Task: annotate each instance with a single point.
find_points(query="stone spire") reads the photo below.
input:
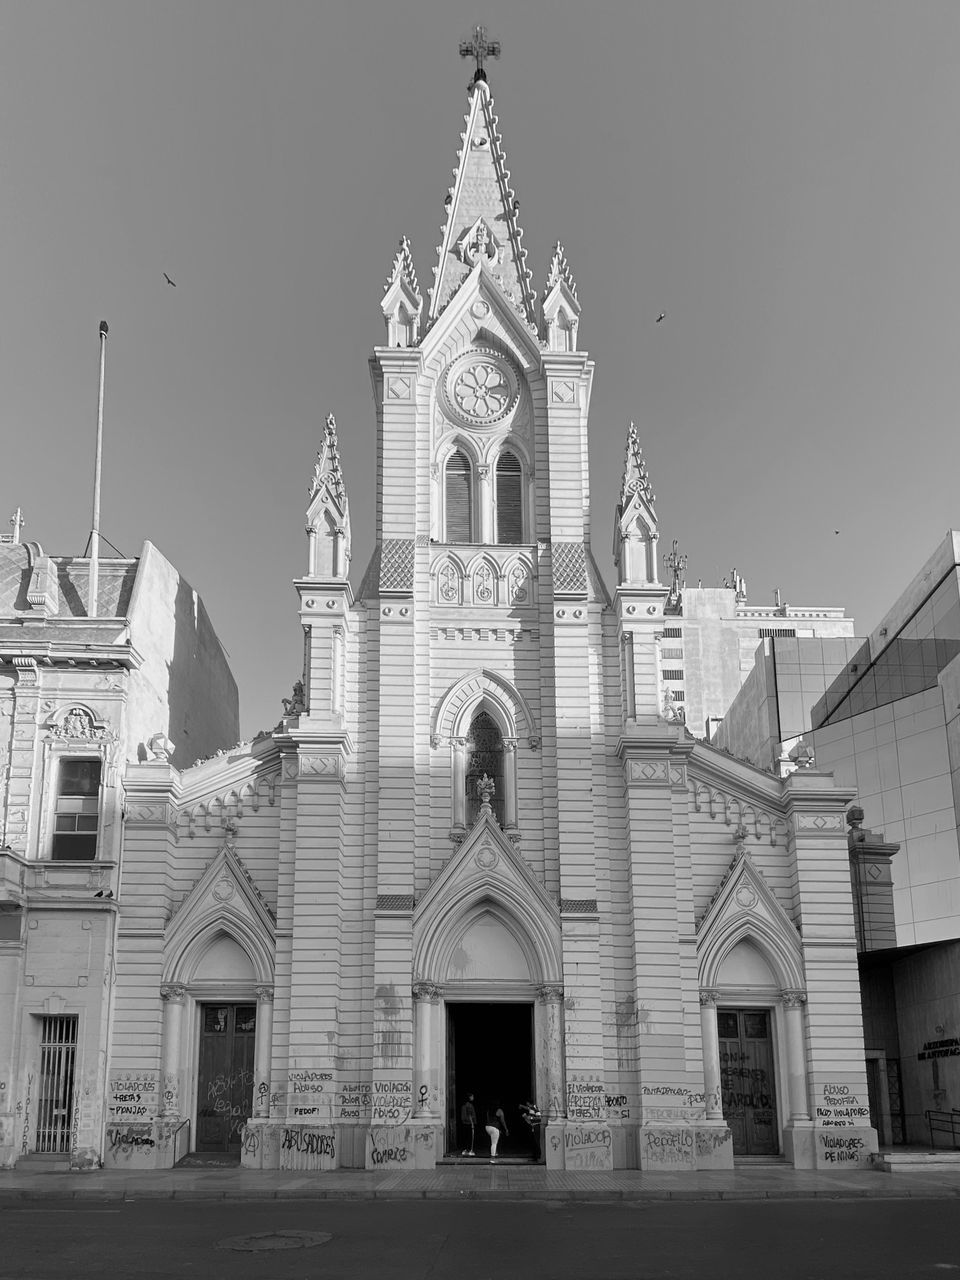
(560, 306)
(402, 302)
(328, 516)
(637, 529)
(482, 227)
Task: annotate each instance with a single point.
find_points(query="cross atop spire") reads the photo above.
(479, 47)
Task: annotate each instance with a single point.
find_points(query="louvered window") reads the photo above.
(509, 499)
(459, 498)
(77, 814)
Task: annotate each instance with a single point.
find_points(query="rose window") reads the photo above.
(480, 388)
(481, 391)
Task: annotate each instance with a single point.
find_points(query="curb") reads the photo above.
(476, 1195)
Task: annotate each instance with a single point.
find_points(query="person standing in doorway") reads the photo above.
(496, 1124)
(533, 1119)
(468, 1120)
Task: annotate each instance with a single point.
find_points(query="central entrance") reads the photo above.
(490, 1054)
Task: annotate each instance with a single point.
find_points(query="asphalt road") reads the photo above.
(792, 1240)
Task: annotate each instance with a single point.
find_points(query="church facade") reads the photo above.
(481, 859)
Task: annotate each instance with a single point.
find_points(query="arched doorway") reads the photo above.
(487, 944)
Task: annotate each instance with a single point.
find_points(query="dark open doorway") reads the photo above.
(490, 1054)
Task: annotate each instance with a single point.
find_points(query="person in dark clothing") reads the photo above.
(533, 1119)
(468, 1121)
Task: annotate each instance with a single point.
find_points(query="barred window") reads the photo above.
(767, 633)
(673, 673)
(671, 653)
(672, 633)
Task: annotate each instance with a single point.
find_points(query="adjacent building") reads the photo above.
(882, 713)
(82, 692)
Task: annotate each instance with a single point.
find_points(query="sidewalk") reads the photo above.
(481, 1183)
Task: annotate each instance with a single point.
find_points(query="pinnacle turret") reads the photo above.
(560, 306)
(402, 302)
(328, 515)
(559, 270)
(636, 528)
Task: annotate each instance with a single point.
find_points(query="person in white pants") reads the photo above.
(495, 1125)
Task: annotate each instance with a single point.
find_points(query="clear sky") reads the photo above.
(779, 176)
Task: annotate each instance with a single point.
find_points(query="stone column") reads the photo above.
(551, 997)
(426, 1006)
(263, 1051)
(459, 783)
(172, 995)
(711, 1053)
(487, 534)
(793, 1002)
(509, 782)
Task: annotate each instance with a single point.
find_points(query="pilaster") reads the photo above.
(836, 1069)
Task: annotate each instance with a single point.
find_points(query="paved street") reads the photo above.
(789, 1240)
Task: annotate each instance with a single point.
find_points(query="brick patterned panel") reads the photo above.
(569, 566)
(396, 564)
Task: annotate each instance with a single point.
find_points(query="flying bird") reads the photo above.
(169, 281)
(661, 316)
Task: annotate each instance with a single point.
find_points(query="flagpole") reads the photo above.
(94, 585)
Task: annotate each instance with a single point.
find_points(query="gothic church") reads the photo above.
(482, 857)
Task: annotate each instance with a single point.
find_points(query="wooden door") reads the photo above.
(225, 1078)
(747, 1080)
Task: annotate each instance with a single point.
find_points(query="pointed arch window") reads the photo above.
(458, 498)
(509, 498)
(485, 756)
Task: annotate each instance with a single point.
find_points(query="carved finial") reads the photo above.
(479, 47)
(295, 705)
(671, 711)
(486, 789)
(17, 521)
(327, 467)
(403, 269)
(559, 270)
(676, 563)
(636, 478)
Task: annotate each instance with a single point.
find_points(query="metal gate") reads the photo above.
(58, 1054)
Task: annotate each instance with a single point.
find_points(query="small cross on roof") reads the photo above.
(479, 47)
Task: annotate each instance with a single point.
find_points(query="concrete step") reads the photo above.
(916, 1161)
(44, 1162)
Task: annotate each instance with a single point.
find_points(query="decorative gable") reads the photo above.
(224, 900)
(486, 877)
(745, 908)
